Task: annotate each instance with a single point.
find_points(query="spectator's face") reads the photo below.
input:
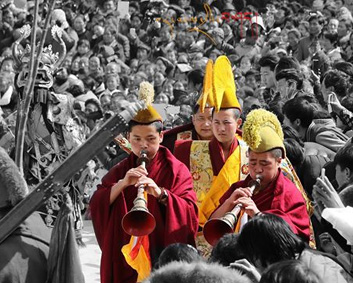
(184, 3)
(112, 83)
(93, 64)
(203, 124)
(7, 66)
(112, 69)
(79, 24)
(342, 175)
(141, 54)
(225, 125)
(245, 65)
(267, 77)
(292, 39)
(109, 5)
(263, 164)
(84, 63)
(339, 4)
(315, 27)
(90, 108)
(108, 37)
(349, 5)
(67, 63)
(342, 29)
(105, 102)
(171, 56)
(185, 111)
(149, 71)
(3, 84)
(179, 86)
(116, 103)
(158, 79)
(146, 138)
(303, 31)
(251, 82)
(326, 44)
(285, 88)
(82, 49)
(165, 35)
(332, 26)
(8, 18)
(135, 22)
(279, 16)
(160, 66)
(161, 98)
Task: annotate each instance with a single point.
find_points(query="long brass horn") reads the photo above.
(139, 221)
(216, 228)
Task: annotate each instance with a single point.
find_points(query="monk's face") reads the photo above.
(145, 137)
(224, 125)
(203, 124)
(264, 164)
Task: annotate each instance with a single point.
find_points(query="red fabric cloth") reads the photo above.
(281, 198)
(177, 222)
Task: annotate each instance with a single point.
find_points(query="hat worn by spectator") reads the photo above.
(218, 32)
(166, 62)
(150, 114)
(263, 132)
(281, 51)
(258, 21)
(228, 7)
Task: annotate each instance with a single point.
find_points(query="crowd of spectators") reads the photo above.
(294, 58)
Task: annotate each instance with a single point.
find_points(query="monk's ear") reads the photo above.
(128, 136)
(161, 135)
(239, 122)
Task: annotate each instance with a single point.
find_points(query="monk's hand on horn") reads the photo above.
(132, 176)
(249, 206)
(150, 186)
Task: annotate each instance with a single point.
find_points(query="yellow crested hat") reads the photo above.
(262, 132)
(148, 115)
(206, 97)
(224, 88)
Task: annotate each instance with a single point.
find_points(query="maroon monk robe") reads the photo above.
(182, 152)
(282, 198)
(177, 222)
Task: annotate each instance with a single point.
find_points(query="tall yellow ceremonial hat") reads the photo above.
(263, 132)
(150, 114)
(224, 89)
(206, 97)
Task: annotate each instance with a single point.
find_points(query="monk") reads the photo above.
(215, 164)
(171, 200)
(276, 193)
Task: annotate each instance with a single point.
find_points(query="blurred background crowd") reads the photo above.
(294, 58)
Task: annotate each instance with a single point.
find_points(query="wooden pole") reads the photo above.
(23, 110)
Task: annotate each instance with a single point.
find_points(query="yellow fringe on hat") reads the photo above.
(149, 114)
(256, 120)
(224, 88)
(206, 98)
(146, 92)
